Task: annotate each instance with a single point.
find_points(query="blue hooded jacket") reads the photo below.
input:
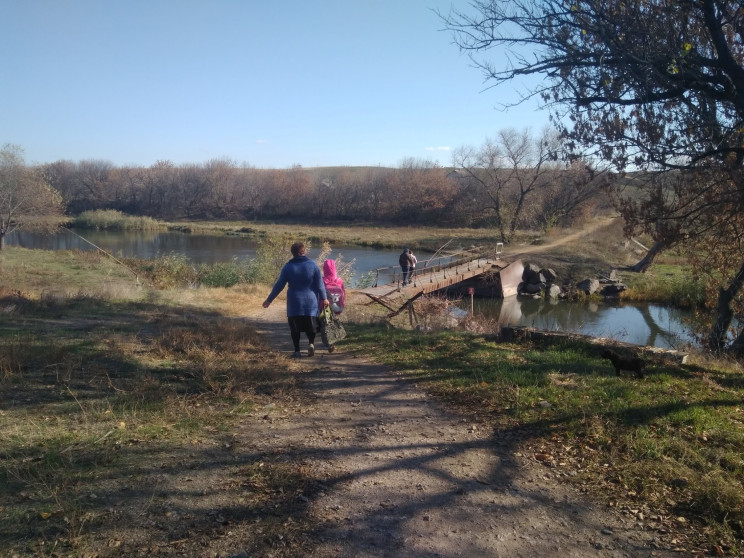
(305, 288)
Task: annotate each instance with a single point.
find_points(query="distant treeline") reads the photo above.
(411, 194)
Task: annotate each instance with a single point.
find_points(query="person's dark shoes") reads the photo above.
(331, 348)
(296, 354)
(311, 350)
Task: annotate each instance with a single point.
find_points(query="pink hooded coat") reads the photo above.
(333, 283)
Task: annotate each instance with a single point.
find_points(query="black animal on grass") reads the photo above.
(632, 364)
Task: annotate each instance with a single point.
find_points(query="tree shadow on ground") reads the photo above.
(147, 431)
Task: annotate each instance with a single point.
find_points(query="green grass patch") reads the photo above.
(61, 275)
(666, 283)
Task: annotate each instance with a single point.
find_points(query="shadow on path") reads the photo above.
(400, 475)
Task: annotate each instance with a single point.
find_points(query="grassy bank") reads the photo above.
(111, 220)
(666, 283)
(375, 236)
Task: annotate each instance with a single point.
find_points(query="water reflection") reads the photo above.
(639, 324)
(140, 244)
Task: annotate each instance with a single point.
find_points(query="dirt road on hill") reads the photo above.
(402, 476)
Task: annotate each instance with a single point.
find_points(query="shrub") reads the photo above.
(173, 270)
(109, 219)
(271, 254)
(225, 274)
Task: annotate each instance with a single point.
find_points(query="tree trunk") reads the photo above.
(515, 217)
(717, 340)
(2, 240)
(737, 347)
(643, 265)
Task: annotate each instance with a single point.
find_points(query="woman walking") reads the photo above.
(305, 288)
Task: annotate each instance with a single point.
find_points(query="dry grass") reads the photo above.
(383, 236)
(65, 274)
(583, 256)
(116, 410)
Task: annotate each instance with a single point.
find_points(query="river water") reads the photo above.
(208, 249)
(640, 324)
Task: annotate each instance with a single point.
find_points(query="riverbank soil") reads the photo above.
(397, 474)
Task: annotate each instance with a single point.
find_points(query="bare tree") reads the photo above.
(371, 194)
(507, 172)
(125, 188)
(195, 191)
(484, 177)
(420, 191)
(26, 198)
(93, 176)
(571, 196)
(62, 176)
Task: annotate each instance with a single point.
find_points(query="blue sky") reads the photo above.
(270, 84)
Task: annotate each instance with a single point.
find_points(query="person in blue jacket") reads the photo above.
(305, 289)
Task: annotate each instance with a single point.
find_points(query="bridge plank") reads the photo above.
(429, 280)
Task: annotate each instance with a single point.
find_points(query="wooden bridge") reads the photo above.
(439, 273)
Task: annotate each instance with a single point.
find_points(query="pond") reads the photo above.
(641, 324)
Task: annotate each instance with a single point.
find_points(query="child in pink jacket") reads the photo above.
(334, 285)
(336, 293)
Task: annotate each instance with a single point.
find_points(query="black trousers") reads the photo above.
(298, 324)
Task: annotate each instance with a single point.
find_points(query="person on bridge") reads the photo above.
(406, 265)
(305, 289)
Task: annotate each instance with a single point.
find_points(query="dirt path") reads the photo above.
(564, 239)
(401, 476)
